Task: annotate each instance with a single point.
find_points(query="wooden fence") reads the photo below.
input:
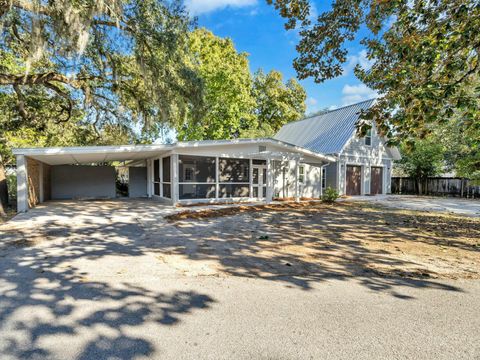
(436, 186)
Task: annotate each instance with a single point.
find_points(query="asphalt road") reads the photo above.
(238, 318)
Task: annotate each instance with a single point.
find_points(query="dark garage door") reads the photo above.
(83, 182)
(376, 184)
(354, 180)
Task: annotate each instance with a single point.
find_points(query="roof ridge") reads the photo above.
(332, 110)
(328, 112)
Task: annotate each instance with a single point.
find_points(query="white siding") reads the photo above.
(284, 176)
(331, 173)
(357, 153)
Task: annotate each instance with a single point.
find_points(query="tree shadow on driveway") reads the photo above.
(48, 306)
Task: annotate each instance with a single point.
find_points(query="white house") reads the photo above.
(302, 159)
(362, 165)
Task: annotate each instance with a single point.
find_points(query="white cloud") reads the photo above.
(312, 101)
(197, 7)
(356, 93)
(311, 105)
(361, 59)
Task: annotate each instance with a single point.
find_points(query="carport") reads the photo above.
(79, 172)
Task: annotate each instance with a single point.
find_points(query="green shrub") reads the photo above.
(330, 195)
(12, 187)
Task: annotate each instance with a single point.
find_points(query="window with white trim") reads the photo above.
(188, 173)
(324, 177)
(301, 174)
(368, 137)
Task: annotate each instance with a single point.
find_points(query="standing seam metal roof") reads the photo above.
(326, 133)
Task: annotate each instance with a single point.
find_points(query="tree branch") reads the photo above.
(42, 79)
(21, 103)
(69, 101)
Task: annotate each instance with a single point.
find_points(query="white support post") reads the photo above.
(269, 182)
(217, 177)
(22, 184)
(385, 182)
(250, 189)
(321, 179)
(174, 181)
(160, 183)
(297, 175)
(365, 174)
(339, 181)
(149, 178)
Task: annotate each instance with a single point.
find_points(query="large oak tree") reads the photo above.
(115, 63)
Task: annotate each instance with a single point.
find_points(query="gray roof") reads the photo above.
(326, 133)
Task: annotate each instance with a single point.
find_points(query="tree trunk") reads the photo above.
(3, 190)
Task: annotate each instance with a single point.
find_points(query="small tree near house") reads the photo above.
(421, 160)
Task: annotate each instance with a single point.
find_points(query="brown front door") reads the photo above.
(376, 184)
(354, 180)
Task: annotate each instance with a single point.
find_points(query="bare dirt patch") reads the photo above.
(315, 241)
(228, 211)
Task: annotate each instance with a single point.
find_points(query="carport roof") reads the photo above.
(98, 154)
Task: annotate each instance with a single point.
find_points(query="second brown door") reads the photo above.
(376, 183)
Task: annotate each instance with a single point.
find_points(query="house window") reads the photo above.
(166, 170)
(234, 178)
(166, 179)
(301, 174)
(234, 170)
(324, 177)
(188, 173)
(368, 137)
(197, 169)
(196, 177)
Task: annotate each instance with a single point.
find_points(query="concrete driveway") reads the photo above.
(89, 280)
(468, 207)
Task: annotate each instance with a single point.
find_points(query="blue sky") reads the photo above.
(257, 29)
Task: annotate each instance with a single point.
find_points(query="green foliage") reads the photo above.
(423, 159)
(277, 103)
(228, 98)
(461, 148)
(235, 104)
(425, 57)
(115, 63)
(12, 187)
(330, 195)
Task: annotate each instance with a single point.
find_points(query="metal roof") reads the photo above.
(326, 133)
(92, 154)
